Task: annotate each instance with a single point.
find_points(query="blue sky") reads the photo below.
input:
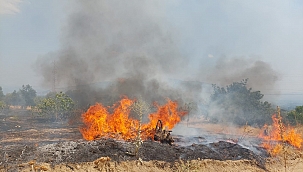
(271, 31)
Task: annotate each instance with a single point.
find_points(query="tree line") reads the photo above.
(54, 104)
(24, 97)
(240, 105)
(234, 103)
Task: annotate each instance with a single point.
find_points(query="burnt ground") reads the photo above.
(86, 151)
(25, 137)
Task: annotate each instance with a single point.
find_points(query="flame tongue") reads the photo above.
(279, 133)
(168, 114)
(294, 138)
(98, 122)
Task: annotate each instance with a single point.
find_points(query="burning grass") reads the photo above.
(99, 122)
(276, 136)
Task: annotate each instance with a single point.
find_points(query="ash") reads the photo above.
(87, 151)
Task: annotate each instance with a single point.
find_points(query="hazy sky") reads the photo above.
(205, 32)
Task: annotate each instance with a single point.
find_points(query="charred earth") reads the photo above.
(25, 138)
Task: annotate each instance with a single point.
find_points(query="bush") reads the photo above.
(295, 116)
(239, 105)
(58, 105)
(2, 105)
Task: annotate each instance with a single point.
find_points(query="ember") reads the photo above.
(277, 134)
(100, 123)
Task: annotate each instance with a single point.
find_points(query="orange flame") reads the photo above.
(98, 122)
(276, 134)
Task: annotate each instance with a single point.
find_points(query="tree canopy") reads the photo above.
(296, 116)
(13, 98)
(238, 104)
(1, 94)
(28, 94)
(2, 103)
(55, 104)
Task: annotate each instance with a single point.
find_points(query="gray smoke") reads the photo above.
(127, 43)
(131, 46)
(261, 75)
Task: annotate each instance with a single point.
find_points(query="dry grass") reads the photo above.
(187, 166)
(105, 165)
(102, 164)
(141, 108)
(284, 151)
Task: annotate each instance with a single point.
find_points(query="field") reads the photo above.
(34, 143)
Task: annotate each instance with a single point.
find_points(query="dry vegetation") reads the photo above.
(105, 164)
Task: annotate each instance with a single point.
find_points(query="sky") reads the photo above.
(212, 41)
(28, 29)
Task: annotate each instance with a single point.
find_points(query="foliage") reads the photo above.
(28, 94)
(295, 116)
(1, 94)
(13, 98)
(239, 105)
(58, 104)
(2, 105)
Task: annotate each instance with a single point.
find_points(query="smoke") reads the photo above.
(132, 49)
(128, 44)
(261, 75)
(233, 108)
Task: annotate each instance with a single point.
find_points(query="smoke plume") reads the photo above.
(126, 43)
(114, 48)
(228, 70)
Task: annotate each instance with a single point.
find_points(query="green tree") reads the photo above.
(1, 94)
(13, 99)
(28, 94)
(238, 104)
(2, 106)
(2, 103)
(295, 116)
(60, 105)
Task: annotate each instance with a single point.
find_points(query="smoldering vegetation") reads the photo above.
(115, 48)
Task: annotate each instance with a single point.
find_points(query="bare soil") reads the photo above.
(33, 143)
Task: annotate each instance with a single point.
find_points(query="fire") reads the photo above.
(294, 139)
(99, 122)
(278, 134)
